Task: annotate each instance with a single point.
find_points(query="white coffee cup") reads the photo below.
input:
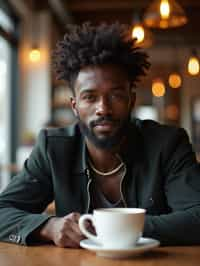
(115, 227)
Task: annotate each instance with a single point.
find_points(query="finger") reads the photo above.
(72, 231)
(91, 228)
(74, 236)
(75, 227)
(68, 243)
(74, 216)
(73, 219)
(72, 224)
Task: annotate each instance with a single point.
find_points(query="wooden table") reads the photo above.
(14, 255)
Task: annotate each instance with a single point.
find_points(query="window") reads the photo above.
(146, 112)
(5, 21)
(6, 51)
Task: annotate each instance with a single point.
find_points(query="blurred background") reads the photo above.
(31, 98)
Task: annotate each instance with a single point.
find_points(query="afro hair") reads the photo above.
(88, 45)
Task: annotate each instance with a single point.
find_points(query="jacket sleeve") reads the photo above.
(23, 201)
(181, 226)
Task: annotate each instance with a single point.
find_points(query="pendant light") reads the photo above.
(34, 53)
(164, 14)
(193, 64)
(139, 32)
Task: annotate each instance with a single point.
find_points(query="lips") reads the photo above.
(105, 126)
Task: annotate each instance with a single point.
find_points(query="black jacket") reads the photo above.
(164, 179)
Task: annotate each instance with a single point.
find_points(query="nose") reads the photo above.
(104, 107)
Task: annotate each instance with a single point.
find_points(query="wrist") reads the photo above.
(45, 232)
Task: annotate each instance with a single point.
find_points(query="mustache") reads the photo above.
(102, 120)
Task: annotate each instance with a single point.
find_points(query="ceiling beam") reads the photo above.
(90, 5)
(20, 7)
(61, 11)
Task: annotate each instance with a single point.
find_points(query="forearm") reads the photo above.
(178, 228)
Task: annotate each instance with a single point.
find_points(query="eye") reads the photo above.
(118, 95)
(89, 97)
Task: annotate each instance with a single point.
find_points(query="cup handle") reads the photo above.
(83, 229)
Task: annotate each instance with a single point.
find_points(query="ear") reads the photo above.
(73, 105)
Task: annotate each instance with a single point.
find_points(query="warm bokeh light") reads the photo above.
(34, 55)
(158, 88)
(172, 112)
(163, 24)
(138, 33)
(193, 66)
(175, 80)
(164, 9)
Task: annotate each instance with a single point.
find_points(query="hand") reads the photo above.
(64, 231)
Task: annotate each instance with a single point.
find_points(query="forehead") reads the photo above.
(100, 76)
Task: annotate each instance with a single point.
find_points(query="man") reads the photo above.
(105, 160)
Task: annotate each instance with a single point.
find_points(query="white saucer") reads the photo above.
(143, 245)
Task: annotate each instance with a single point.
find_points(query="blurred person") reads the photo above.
(106, 159)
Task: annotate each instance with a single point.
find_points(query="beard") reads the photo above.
(105, 142)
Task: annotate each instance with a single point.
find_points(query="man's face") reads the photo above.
(103, 103)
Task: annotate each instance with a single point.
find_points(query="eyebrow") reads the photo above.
(84, 89)
(87, 90)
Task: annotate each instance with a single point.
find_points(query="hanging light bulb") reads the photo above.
(158, 88)
(164, 9)
(138, 33)
(34, 55)
(142, 35)
(193, 64)
(164, 14)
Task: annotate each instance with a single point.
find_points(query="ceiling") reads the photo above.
(124, 10)
(96, 11)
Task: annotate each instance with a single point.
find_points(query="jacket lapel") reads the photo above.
(133, 158)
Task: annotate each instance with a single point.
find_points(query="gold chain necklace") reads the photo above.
(114, 171)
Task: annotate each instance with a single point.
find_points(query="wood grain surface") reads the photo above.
(49, 255)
